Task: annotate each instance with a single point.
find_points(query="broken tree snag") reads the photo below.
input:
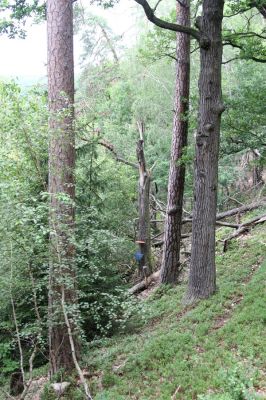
(144, 235)
(240, 210)
(244, 228)
(144, 283)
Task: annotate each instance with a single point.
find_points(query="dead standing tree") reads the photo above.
(144, 185)
(144, 228)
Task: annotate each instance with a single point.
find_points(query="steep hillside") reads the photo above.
(215, 350)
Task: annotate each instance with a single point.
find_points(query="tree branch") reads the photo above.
(15, 319)
(165, 24)
(238, 46)
(109, 146)
(244, 228)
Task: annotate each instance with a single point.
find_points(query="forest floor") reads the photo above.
(214, 350)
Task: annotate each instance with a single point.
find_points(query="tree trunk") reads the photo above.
(257, 169)
(61, 177)
(144, 234)
(172, 238)
(202, 278)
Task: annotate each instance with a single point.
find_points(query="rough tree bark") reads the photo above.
(202, 278)
(171, 250)
(61, 177)
(144, 236)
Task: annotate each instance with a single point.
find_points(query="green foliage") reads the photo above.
(167, 346)
(16, 13)
(103, 236)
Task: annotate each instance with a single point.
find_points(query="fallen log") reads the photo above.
(228, 224)
(230, 213)
(244, 228)
(240, 210)
(145, 283)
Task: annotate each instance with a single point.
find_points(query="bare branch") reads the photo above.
(157, 4)
(109, 146)
(15, 318)
(238, 12)
(244, 228)
(230, 60)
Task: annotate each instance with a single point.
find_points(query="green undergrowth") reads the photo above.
(215, 350)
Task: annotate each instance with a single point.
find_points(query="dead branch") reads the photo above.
(234, 211)
(109, 146)
(244, 228)
(15, 318)
(145, 283)
(240, 210)
(220, 223)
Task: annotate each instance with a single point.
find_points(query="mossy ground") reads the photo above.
(215, 350)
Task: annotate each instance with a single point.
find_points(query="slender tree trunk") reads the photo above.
(171, 251)
(144, 234)
(202, 278)
(61, 177)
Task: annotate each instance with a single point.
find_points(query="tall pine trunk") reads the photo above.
(202, 278)
(61, 178)
(172, 237)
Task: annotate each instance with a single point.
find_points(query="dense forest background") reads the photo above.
(117, 91)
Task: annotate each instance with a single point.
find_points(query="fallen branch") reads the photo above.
(244, 228)
(241, 209)
(145, 283)
(230, 213)
(228, 224)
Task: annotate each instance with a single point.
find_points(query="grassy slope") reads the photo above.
(217, 350)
